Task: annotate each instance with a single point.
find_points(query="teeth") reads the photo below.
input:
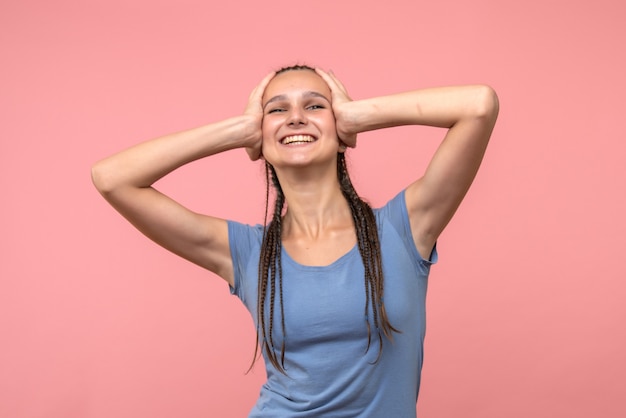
(297, 139)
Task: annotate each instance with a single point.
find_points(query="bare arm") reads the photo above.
(468, 112)
(125, 180)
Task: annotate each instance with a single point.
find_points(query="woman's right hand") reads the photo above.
(254, 110)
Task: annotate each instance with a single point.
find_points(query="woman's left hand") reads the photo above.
(340, 103)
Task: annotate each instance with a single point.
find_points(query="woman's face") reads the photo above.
(298, 121)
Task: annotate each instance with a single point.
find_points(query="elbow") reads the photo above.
(487, 104)
(100, 179)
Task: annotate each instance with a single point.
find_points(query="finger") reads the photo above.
(258, 91)
(338, 83)
(321, 72)
(266, 80)
(333, 82)
(326, 77)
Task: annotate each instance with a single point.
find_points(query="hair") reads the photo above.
(296, 67)
(270, 278)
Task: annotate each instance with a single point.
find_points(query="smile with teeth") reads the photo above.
(297, 139)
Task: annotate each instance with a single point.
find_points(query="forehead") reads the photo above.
(296, 82)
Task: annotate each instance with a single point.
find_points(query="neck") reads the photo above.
(315, 202)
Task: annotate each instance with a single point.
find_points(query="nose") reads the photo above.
(296, 117)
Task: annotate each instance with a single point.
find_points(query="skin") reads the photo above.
(317, 227)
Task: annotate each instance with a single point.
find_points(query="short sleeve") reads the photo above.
(396, 214)
(244, 242)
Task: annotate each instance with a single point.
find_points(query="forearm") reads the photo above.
(440, 107)
(145, 163)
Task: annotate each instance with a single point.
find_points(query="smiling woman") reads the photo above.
(336, 289)
(298, 111)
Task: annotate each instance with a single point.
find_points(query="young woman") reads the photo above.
(336, 289)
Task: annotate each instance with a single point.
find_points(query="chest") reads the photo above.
(327, 304)
(322, 251)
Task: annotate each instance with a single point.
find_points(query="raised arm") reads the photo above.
(125, 180)
(468, 112)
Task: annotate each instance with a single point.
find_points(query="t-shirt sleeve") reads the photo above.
(396, 213)
(244, 241)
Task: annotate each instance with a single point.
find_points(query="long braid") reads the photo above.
(277, 265)
(369, 247)
(269, 265)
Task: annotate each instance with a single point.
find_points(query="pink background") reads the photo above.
(526, 307)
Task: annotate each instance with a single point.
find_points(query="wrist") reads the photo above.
(246, 130)
(361, 116)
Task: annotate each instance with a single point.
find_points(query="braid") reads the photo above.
(269, 265)
(369, 247)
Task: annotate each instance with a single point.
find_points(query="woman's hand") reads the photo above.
(344, 119)
(254, 110)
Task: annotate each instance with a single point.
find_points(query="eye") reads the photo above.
(276, 110)
(316, 107)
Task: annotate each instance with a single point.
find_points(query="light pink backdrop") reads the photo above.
(526, 308)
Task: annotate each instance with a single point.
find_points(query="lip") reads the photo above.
(313, 138)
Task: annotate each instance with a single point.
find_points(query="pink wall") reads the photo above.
(526, 311)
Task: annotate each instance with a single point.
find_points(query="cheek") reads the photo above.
(328, 122)
(269, 130)
(265, 130)
(269, 126)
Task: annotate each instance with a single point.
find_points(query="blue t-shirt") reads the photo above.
(330, 372)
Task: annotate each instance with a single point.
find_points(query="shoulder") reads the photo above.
(392, 218)
(245, 246)
(394, 210)
(237, 229)
(242, 236)
(394, 224)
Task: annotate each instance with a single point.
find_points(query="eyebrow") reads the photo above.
(305, 95)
